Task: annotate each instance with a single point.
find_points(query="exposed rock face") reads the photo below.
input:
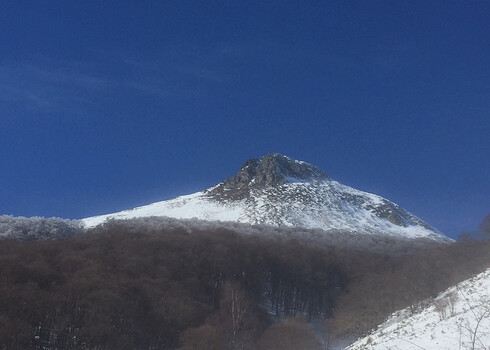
(271, 170)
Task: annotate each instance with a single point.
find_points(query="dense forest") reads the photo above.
(131, 286)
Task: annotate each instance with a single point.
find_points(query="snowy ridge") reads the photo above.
(279, 191)
(458, 318)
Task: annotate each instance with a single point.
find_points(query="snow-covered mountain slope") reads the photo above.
(458, 318)
(279, 191)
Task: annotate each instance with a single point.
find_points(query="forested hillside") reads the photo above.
(127, 286)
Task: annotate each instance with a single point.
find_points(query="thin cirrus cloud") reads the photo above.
(49, 86)
(53, 85)
(182, 72)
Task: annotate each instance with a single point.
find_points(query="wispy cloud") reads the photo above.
(47, 86)
(54, 85)
(180, 72)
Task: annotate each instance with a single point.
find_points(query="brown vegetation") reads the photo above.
(123, 288)
(292, 334)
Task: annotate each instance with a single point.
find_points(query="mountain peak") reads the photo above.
(280, 191)
(273, 169)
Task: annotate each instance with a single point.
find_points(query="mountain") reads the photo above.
(458, 318)
(279, 191)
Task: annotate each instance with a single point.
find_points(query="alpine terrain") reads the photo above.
(279, 191)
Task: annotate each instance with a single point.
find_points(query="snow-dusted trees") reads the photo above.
(36, 228)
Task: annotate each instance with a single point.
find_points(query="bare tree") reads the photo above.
(236, 305)
(441, 308)
(473, 332)
(452, 299)
(472, 329)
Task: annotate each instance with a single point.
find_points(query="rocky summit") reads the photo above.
(280, 191)
(271, 170)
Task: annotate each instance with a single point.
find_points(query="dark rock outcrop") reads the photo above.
(269, 171)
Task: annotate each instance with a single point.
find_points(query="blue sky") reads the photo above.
(109, 105)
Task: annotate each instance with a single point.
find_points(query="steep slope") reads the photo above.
(280, 191)
(458, 318)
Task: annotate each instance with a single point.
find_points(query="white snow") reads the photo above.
(185, 207)
(458, 318)
(326, 205)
